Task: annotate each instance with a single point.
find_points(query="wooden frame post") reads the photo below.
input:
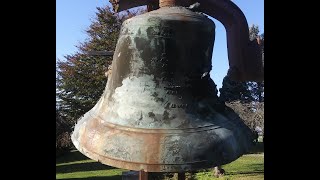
(143, 175)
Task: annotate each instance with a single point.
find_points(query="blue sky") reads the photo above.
(73, 17)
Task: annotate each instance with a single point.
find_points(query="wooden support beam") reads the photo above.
(143, 175)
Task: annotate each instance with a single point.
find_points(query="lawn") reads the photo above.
(75, 166)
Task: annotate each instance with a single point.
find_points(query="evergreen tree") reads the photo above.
(234, 90)
(245, 92)
(257, 88)
(81, 78)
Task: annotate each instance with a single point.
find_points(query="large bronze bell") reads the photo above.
(160, 111)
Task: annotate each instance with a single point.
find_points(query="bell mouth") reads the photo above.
(147, 167)
(156, 150)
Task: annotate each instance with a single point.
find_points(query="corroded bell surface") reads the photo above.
(159, 111)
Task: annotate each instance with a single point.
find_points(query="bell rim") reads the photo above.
(150, 167)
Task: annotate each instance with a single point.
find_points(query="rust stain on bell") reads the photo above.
(159, 111)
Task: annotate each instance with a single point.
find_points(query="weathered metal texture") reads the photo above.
(245, 58)
(165, 3)
(159, 111)
(120, 5)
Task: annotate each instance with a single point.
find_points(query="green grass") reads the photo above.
(247, 167)
(75, 166)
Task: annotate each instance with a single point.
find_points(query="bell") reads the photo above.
(160, 111)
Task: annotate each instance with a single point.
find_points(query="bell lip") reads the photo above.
(148, 167)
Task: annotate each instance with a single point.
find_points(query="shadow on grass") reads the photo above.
(245, 172)
(116, 177)
(257, 148)
(252, 169)
(71, 157)
(90, 166)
